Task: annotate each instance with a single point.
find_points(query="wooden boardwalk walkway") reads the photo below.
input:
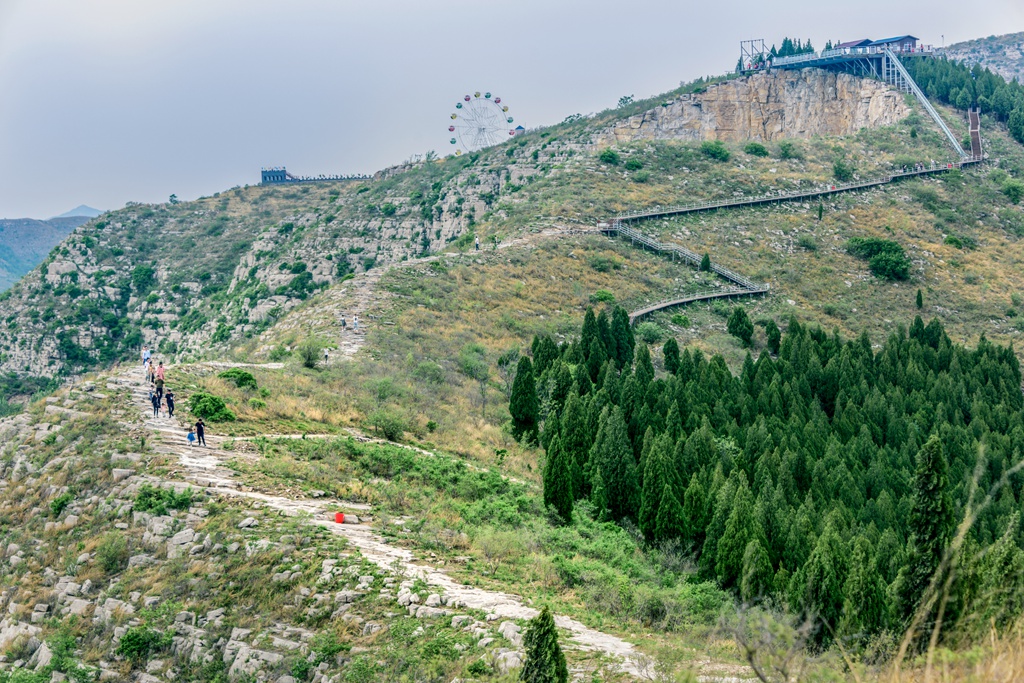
(743, 286)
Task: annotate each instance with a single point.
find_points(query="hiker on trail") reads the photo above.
(344, 324)
(160, 371)
(155, 400)
(191, 438)
(355, 323)
(159, 384)
(325, 356)
(169, 397)
(478, 243)
(145, 355)
(200, 431)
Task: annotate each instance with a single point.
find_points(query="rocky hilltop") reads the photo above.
(766, 107)
(1002, 54)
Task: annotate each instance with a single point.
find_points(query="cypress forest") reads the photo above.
(831, 479)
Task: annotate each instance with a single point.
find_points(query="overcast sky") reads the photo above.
(108, 101)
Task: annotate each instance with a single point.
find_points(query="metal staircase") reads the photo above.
(974, 119)
(895, 73)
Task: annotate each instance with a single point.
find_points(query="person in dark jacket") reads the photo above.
(155, 400)
(200, 432)
(169, 397)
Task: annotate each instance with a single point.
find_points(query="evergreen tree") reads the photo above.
(612, 457)
(739, 325)
(589, 332)
(575, 442)
(670, 523)
(741, 527)
(931, 523)
(622, 332)
(705, 263)
(545, 662)
(523, 405)
(644, 370)
(758, 576)
(865, 611)
(824, 579)
(655, 463)
(558, 481)
(774, 336)
(919, 300)
(695, 512)
(671, 352)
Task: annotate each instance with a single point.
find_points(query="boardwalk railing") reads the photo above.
(756, 200)
(745, 286)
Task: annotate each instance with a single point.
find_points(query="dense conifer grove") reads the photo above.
(962, 86)
(828, 478)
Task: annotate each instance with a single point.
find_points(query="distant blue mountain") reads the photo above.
(81, 210)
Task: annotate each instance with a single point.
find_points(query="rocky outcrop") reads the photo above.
(767, 106)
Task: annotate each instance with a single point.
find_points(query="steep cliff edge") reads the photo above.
(768, 106)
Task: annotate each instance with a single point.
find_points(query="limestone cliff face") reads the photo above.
(768, 106)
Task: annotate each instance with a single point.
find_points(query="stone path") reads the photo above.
(205, 468)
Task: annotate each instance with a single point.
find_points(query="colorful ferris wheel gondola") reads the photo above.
(480, 120)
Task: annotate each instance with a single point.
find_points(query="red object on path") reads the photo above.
(339, 517)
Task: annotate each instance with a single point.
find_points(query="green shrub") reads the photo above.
(58, 504)
(310, 352)
(1014, 190)
(634, 164)
(680, 320)
(209, 407)
(388, 209)
(890, 266)
(429, 371)
(807, 242)
(159, 500)
(603, 264)
(257, 403)
(602, 296)
(479, 668)
(789, 150)
(112, 552)
(609, 156)
(243, 379)
(842, 170)
(387, 423)
(886, 259)
(650, 332)
(139, 642)
(431, 426)
(278, 353)
(715, 150)
(755, 149)
(641, 176)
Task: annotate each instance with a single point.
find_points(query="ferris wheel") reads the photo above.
(480, 120)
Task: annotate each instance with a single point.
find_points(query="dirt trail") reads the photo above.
(205, 468)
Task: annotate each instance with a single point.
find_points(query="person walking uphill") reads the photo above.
(169, 397)
(200, 432)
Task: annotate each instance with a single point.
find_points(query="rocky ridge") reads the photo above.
(767, 106)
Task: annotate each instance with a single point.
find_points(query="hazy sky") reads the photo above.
(108, 101)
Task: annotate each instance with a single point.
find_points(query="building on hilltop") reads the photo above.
(275, 174)
(897, 44)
